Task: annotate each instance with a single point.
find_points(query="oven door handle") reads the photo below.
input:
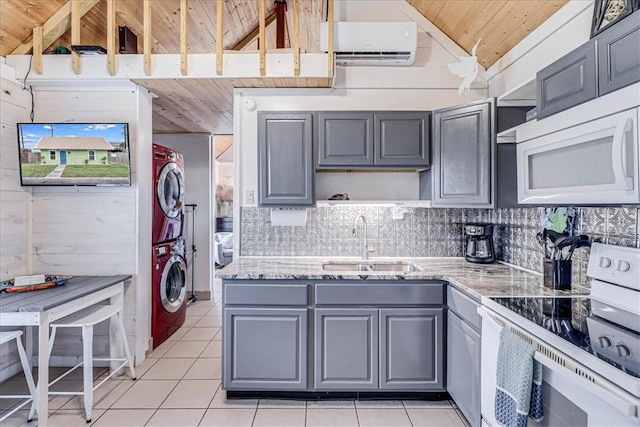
(613, 397)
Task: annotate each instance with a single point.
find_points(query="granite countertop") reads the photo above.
(477, 280)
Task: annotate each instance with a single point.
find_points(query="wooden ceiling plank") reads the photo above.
(37, 49)
(56, 26)
(262, 46)
(111, 36)
(147, 37)
(532, 21)
(219, 36)
(296, 38)
(184, 65)
(434, 10)
(75, 35)
(478, 27)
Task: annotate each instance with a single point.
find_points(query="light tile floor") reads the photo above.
(179, 386)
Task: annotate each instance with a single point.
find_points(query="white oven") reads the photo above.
(573, 395)
(595, 162)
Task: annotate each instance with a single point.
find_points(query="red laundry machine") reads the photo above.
(169, 281)
(168, 179)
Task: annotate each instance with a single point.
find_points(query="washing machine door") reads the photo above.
(173, 284)
(170, 190)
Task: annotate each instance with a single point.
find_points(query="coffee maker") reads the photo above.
(479, 242)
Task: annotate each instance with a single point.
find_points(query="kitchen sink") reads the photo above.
(372, 266)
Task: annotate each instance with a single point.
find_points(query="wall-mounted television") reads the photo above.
(58, 154)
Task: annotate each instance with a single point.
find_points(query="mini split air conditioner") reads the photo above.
(372, 43)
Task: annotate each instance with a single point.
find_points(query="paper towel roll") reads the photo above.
(296, 217)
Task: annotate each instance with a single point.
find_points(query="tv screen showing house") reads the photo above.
(74, 153)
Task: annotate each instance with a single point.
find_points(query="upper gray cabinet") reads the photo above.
(569, 81)
(402, 138)
(462, 155)
(285, 159)
(619, 54)
(345, 138)
(373, 139)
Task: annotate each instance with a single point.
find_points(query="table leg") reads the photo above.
(43, 369)
(116, 346)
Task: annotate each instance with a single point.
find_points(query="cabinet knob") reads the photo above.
(604, 342)
(623, 350)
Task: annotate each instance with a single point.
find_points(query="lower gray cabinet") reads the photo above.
(463, 367)
(346, 349)
(265, 349)
(411, 349)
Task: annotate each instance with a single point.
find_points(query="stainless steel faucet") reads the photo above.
(365, 249)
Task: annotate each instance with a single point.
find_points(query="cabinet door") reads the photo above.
(265, 349)
(285, 142)
(569, 81)
(411, 349)
(463, 367)
(619, 55)
(346, 349)
(402, 139)
(462, 150)
(345, 139)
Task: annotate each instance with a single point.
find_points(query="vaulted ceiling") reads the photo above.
(206, 105)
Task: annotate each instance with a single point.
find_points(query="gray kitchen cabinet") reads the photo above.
(463, 354)
(402, 138)
(463, 142)
(345, 138)
(619, 54)
(373, 139)
(569, 81)
(346, 349)
(265, 349)
(285, 159)
(411, 349)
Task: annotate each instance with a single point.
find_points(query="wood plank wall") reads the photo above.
(89, 230)
(15, 104)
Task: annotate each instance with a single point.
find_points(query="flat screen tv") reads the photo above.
(58, 154)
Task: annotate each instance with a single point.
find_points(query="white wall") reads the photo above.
(15, 201)
(100, 230)
(560, 34)
(199, 189)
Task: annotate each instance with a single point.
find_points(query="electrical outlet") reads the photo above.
(249, 198)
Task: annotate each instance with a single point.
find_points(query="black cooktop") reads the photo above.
(608, 332)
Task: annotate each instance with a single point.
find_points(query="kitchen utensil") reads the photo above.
(542, 240)
(563, 242)
(578, 244)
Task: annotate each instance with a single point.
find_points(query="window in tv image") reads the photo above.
(74, 153)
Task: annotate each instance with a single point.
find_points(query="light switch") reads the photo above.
(250, 199)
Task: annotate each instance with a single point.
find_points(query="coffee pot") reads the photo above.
(479, 242)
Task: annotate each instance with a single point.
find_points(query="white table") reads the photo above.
(40, 308)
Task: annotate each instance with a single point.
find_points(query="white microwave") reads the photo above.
(595, 162)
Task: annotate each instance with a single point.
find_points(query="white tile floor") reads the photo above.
(179, 386)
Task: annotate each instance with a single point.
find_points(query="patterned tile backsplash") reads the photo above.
(429, 232)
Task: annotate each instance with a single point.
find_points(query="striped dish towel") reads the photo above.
(518, 382)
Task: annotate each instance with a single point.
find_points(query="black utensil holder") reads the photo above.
(556, 274)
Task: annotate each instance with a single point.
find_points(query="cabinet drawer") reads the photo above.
(266, 294)
(569, 81)
(464, 306)
(379, 294)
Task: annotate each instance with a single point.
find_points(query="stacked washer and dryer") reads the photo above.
(169, 278)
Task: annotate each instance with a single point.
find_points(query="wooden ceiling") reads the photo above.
(207, 105)
(501, 24)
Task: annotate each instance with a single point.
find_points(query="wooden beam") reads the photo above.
(75, 35)
(111, 37)
(281, 9)
(147, 37)
(330, 19)
(296, 39)
(55, 27)
(254, 33)
(263, 40)
(183, 38)
(219, 36)
(37, 49)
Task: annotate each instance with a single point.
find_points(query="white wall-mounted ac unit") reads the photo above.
(372, 43)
